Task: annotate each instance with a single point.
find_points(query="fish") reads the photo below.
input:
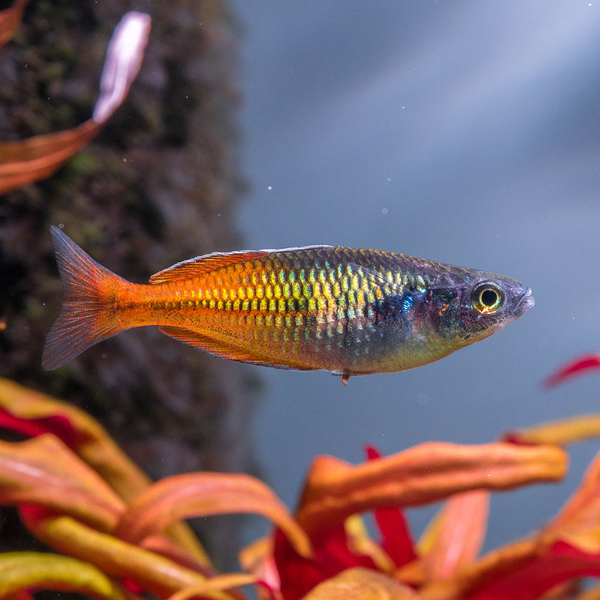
(343, 310)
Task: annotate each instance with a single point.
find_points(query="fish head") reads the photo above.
(476, 307)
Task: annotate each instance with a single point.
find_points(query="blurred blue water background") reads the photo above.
(466, 132)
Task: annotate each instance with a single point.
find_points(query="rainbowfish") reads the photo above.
(347, 311)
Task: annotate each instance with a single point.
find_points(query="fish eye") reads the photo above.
(487, 298)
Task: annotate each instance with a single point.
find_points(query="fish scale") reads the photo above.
(345, 310)
(284, 301)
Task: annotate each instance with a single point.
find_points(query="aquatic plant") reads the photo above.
(580, 365)
(119, 535)
(25, 161)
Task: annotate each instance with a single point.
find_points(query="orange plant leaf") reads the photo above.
(215, 584)
(561, 433)
(334, 489)
(361, 543)
(23, 162)
(202, 494)
(560, 563)
(459, 536)
(44, 472)
(492, 567)
(578, 522)
(112, 556)
(579, 366)
(25, 570)
(33, 413)
(10, 19)
(568, 547)
(257, 559)
(164, 546)
(522, 571)
(361, 584)
(254, 555)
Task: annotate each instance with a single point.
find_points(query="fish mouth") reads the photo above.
(526, 301)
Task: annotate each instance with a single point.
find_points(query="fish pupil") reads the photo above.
(489, 297)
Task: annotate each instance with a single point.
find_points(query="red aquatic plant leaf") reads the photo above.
(43, 471)
(33, 413)
(334, 489)
(566, 548)
(361, 584)
(26, 161)
(579, 366)
(10, 19)
(22, 595)
(561, 562)
(132, 586)
(59, 425)
(332, 555)
(202, 494)
(20, 571)
(396, 539)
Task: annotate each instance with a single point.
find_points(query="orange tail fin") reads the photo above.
(87, 315)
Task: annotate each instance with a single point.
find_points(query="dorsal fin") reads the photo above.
(196, 267)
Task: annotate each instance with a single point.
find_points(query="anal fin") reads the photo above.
(208, 344)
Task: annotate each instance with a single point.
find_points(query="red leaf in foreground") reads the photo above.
(33, 413)
(331, 556)
(578, 366)
(530, 581)
(372, 452)
(132, 586)
(58, 424)
(396, 539)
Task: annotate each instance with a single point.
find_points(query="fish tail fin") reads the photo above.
(87, 315)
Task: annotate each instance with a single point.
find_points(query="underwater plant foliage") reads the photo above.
(118, 535)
